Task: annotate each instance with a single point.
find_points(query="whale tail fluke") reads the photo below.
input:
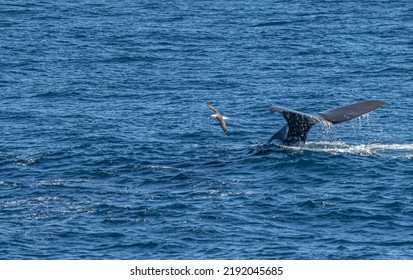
(299, 124)
(349, 112)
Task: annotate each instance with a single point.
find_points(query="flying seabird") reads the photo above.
(217, 115)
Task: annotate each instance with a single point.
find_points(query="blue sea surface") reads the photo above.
(107, 152)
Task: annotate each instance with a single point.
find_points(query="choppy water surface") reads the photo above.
(107, 151)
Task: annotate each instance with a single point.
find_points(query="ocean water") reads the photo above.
(107, 152)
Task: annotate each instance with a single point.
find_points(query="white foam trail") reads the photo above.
(354, 149)
(155, 167)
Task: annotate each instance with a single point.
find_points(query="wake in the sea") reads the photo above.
(393, 150)
(336, 148)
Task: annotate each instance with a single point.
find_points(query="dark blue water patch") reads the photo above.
(107, 151)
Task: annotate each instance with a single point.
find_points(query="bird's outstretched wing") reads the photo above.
(223, 125)
(213, 109)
